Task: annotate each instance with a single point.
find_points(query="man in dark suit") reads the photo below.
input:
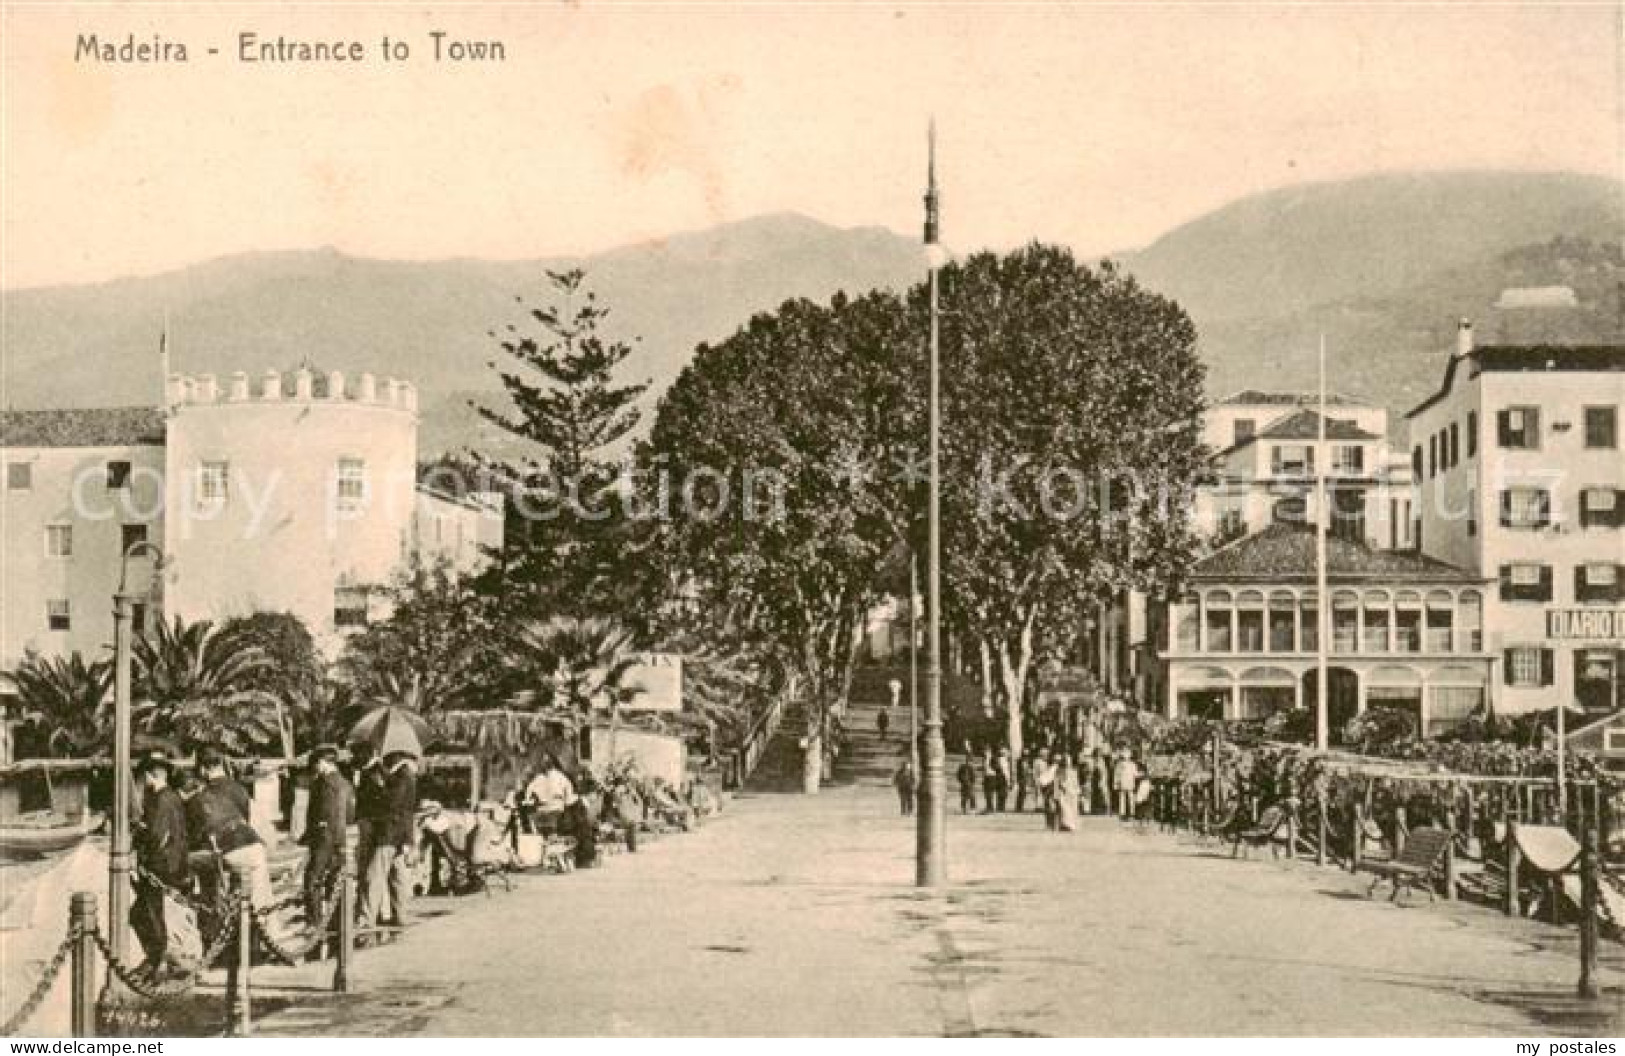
(327, 820)
(387, 884)
(161, 853)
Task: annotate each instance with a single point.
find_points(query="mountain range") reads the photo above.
(1383, 265)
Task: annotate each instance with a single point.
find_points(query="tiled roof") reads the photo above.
(1305, 425)
(1287, 552)
(82, 427)
(1510, 358)
(1261, 397)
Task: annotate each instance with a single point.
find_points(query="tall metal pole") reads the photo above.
(118, 864)
(1323, 602)
(914, 661)
(931, 833)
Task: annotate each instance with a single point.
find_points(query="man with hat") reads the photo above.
(217, 818)
(327, 820)
(161, 854)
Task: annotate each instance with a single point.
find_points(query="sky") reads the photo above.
(1102, 126)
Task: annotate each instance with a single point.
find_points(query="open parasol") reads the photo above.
(391, 729)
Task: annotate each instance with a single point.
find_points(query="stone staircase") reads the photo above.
(779, 770)
(869, 758)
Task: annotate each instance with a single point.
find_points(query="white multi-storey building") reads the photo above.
(290, 492)
(1520, 479)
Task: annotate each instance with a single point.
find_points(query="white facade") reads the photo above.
(66, 516)
(287, 493)
(1520, 479)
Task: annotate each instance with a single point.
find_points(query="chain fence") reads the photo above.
(157, 992)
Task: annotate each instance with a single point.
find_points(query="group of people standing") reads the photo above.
(1060, 786)
(201, 812)
(196, 826)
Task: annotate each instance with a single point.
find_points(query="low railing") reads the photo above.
(750, 752)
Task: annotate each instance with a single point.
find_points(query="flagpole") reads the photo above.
(932, 824)
(1323, 605)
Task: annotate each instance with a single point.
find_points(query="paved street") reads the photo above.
(793, 915)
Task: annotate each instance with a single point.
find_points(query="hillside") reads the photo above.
(429, 321)
(1382, 265)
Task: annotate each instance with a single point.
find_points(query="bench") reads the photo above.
(1270, 823)
(1423, 852)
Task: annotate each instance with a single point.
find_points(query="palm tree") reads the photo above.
(200, 688)
(65, 702)
(582, 664)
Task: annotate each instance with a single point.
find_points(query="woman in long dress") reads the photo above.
(1066, 796)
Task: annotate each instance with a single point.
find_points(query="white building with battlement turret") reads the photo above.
(284, 492)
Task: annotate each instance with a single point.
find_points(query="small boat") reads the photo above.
(33, 836)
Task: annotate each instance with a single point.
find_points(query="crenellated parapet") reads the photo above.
(294, 386)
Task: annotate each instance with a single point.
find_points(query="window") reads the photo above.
(1292, 459)
(1250, 622)
(1596, 581)
(213, 482)
(1416, 462)
(1283, 616)
(1602, 427)
(1345, 622)
(118, 475)
(351, 487)
(1348, 459)
(1376, 623)
(1526, 581)
(1527, 665)
(1308, 624)
(1408, 622)
(1450, 706)
(1600, 508)
(1472, 513)
(1245, 427)
(57, 615)
(1519, 428)
(350, 607)
(131, 534)
(1433, 456)
(1187, 620)
(1526, 508)
(1455, 444)
(19, 476)
(59, 540)
(1441, 613)
(1470, 608)
(1472, 433)
(1218, 614)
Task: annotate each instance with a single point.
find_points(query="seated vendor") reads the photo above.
(547, 796)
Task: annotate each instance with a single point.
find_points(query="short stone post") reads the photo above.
(82, 924)
(1588, 986)
(239, 1001)
(1512, 868)
(346, 939)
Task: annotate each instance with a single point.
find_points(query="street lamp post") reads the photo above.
(930, 836)
(119, 865)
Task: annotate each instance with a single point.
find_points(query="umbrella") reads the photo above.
(390, 729)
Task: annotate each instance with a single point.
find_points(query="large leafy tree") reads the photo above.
(568, 531)
(440, 634)
(1072, 444)
(66, 705)
(778, 452)
(293, 673)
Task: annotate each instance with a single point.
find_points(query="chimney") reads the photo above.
(301, 384)
(1464, 337)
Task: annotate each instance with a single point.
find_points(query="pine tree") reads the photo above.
(567, 532)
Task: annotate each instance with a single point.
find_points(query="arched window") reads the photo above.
(1378, 618)
(1219, 613)
(1187, 624)
(1345, 622)
(1470, 617)
(1308, 622)
(1408, 621)
(1282, 617)
(1441, 613)
(1250, 621)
